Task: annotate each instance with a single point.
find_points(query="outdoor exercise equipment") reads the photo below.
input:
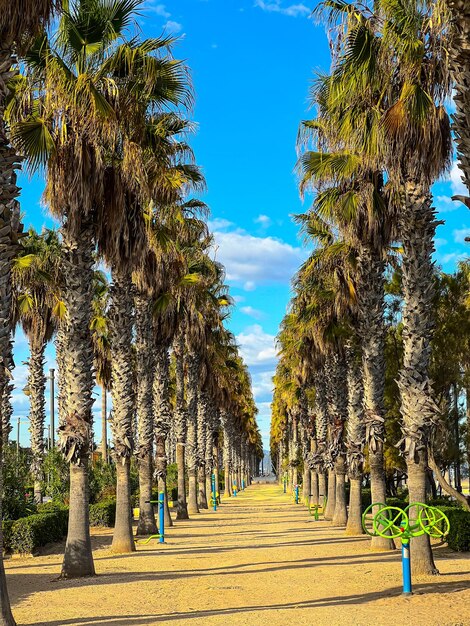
(243, 484)
(214, 493)
(316, 508)
(161, 520)
(296, 494)
(391, 522)
(234, 489)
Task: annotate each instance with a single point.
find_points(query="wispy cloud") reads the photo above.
(158, 9)
(263, 220)
(251, 312)
(276, 6)
(173, 27)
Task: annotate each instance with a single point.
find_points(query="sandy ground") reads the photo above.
(258, 560)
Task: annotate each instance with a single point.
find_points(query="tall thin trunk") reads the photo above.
(339, 409)
(75, 362)
(9, 227)
(122, 393)
(460, 69)
(193, 372)
(417, 229)
(202, 421)
(355, 430)
(372, 334)
(104, 424)
(37, 413)
(144, 351)
(180, 426)
(225, 418)
(162, 414)
(331, 502)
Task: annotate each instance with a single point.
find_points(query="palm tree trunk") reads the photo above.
(372, 334)
(339, 412)
(37, 413)
(162, 413)
(144, 351)
(460, 69)
(225, 418)
(76, 372)
(122, 393)
(202, 422)
(355, 433)
(193, 372)
(331, 502)
(104, 424)
(180, 426)
(419, 411)
(9, 227)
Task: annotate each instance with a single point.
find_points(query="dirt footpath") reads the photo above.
(259, 560)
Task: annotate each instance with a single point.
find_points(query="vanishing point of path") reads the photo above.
(259, 560)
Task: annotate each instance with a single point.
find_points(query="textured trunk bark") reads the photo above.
(314, 488)
(460, 68)
(145, 369)
(322, 488)
(202, 494)
(372, 334)
(340, 515)
(180, 426)
(419, 411)
(76, 373)
(6, 616)
(147, 524)
(37, 413)
(193, 371)
(331, 503)
(123, 541)
(104, 424)
(162, 415)
(354, 525)
(78, 558)
(122, 393)
(306, 485)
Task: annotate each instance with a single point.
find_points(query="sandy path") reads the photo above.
(259, 560)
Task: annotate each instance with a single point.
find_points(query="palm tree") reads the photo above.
(460, 69)
(18, 22)
(75, 148)
(37, 307)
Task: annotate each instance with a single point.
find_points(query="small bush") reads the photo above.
(56, 470)
(458, 538)
(103, 513)
(6, 528)
(27, 534)
(17, 499)
(102, 481)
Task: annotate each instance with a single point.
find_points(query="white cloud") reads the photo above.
(276, 6)
(239, 298)
(249, 285)
(452, 257)
(159, 9)
(263, 386)
(256, 346)
(263, 220)
(439, 242)
(254, 260)
(255, 313)
(173, 27)
(458, 188)
(219, 223)
(460, 234)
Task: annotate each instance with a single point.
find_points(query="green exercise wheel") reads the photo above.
(419, 516)
(368, 518)
(435, 524)
(390, 522)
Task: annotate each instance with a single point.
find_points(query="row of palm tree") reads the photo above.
(380, 138)
(104, 114)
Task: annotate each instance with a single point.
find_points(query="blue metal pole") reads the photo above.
(235, 489)
(214, 493)
(161, 515)
(243, 484)
(297, 494)
(406, 566)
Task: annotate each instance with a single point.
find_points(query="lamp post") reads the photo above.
(52, 405)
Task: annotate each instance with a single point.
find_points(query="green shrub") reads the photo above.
(51, 507)
(7, 528)
(102, 481)
(27, 534)
(458, 538)
(17, 500)
(103, 513)
(57, 473)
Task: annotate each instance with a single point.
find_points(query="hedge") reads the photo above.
(103, 513)
(26, 534)
(458, 538)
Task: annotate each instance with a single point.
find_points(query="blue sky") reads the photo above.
(252, 62)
